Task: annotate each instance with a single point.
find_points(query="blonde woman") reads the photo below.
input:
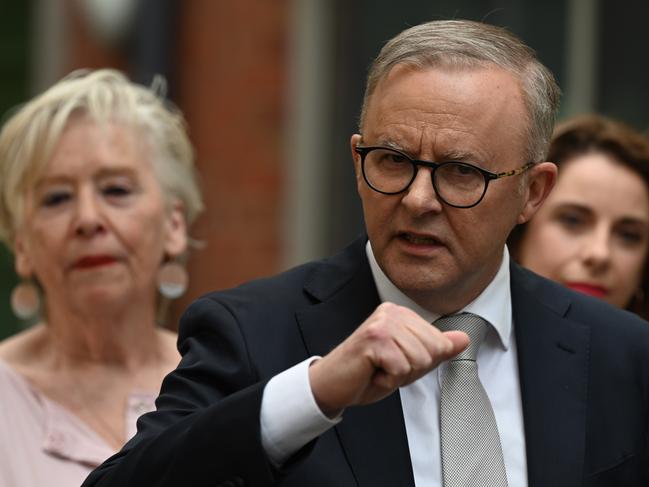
(97, 189)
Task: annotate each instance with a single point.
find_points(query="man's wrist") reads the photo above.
(290, 416)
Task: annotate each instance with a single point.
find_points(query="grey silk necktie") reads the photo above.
(471, 452)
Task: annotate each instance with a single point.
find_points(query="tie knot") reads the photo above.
(472, 325)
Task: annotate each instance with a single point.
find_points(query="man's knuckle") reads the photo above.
(375, 332)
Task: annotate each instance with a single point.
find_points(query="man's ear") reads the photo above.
(355, 141)
(541, 180)
(176, 231)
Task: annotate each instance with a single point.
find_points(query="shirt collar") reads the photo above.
(494, 304)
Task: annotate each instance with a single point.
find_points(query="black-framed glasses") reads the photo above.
(458, 184)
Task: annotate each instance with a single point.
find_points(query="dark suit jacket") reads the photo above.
(584, 372)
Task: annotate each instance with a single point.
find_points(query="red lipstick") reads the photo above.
(590, 289)
(91, 261)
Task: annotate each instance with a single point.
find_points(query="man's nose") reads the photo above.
(88, 218)
(420, 197)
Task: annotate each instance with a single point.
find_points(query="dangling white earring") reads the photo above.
(172, 280)
(25, 300)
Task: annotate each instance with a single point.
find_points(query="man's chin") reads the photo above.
(411, 279)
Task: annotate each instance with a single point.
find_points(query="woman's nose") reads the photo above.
(88, 215)
(597, 249)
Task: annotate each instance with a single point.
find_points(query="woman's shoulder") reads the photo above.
(16, 393)
(37, 436)
(10, 381)
(18, 356)
(168, 347)
(20, 349)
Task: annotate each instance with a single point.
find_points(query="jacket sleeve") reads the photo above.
(205, 430)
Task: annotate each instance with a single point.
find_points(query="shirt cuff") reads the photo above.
(290, 416)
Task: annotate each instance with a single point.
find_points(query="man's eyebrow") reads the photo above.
(395, 145)
(390, 143)
(460, 155)
(449, 155)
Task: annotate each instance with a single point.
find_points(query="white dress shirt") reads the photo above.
(290, 417)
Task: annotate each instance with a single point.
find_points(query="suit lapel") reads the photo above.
(553, 366)
(372, 437)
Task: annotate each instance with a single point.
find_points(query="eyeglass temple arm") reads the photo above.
(514, 172)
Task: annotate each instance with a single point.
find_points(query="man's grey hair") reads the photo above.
(468, 44)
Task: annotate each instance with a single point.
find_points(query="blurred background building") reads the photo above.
(272, 89)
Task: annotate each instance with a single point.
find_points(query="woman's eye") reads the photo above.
(55, 198)
(571, 220)
(631, 236)
(117, 190)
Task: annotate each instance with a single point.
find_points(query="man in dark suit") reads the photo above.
(331, 374)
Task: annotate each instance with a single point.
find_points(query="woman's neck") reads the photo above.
(126, 338)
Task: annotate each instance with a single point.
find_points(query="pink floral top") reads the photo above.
(42, 443)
